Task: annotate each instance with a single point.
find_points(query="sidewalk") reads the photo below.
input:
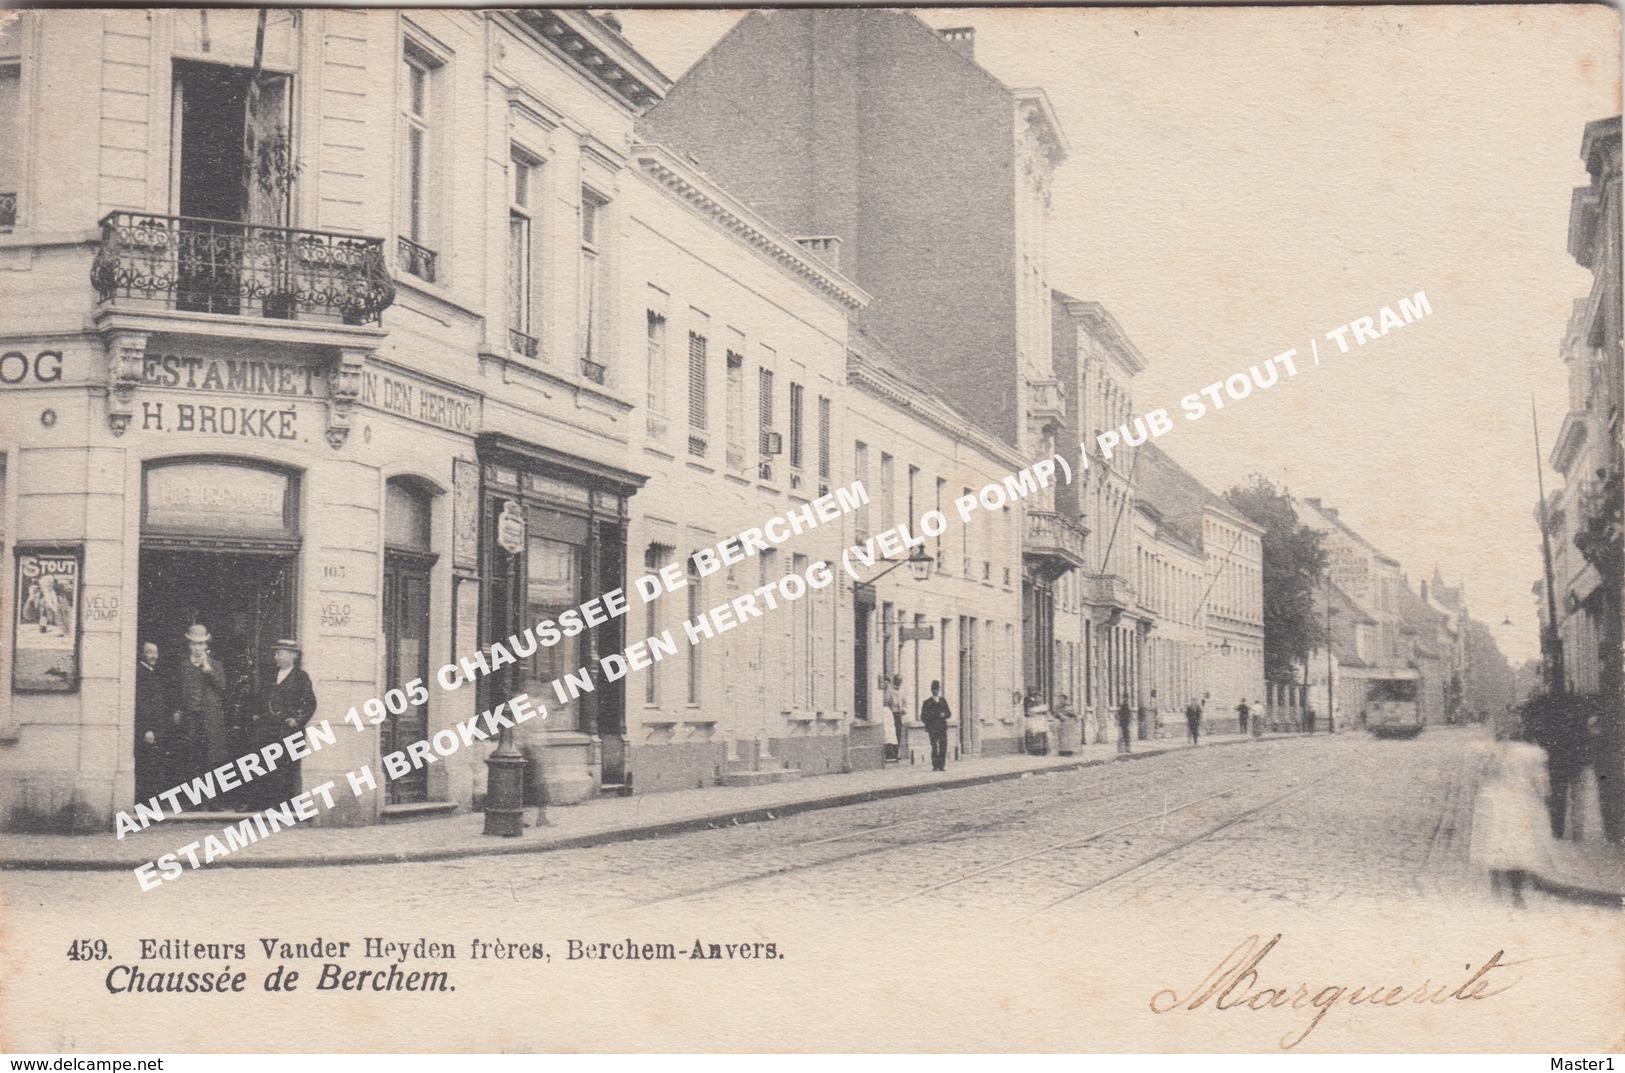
(1592, 872)
(596, 822)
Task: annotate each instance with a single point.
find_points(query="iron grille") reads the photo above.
(213, 266)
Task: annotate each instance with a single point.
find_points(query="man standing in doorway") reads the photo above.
(201, 691)
(934, 714)
(1125, 716)
(152, 726)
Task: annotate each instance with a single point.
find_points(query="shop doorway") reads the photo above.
(245, 601)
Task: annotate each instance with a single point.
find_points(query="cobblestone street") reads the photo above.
(1076, 895)
(1305, 822)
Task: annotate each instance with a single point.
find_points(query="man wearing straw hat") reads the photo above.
(200, 688)
(289, 704)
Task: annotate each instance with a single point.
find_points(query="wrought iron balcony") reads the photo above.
(8, 210)
(421, 261)
(1053, 543)
(214, 266)
(521, 343)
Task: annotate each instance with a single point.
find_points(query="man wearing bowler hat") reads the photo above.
(289, 704)
(200, 687)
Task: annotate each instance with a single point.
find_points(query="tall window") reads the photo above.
(657, 371)
(520, 253)
(964, 541)
(860, 472)
(736, 408)
(764, 412)
(11, 130)
(697, 392)
(696, 608)
(654, 558)
(823, 444)
(942, 486)
(888, 491)
(593, 351)
(796, 453)
(418, 126)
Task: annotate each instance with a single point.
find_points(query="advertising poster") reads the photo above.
(46, 656)
(812, 530)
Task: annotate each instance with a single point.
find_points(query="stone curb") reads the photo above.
(631, 833)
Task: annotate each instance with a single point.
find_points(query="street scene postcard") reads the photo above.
(1070, 529)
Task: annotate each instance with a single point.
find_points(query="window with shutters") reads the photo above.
(768, 439)
(736, 409)
(796, 392)
(696, 395)
(656, 351)
(823, 446)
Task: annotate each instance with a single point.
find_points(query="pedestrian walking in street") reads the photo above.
(1125, 716)
(1509, 828)
(289, 704)
(1308, 720)
(1193, 720)
(934, 714)
(152, 726)
(1242, 712)
(201, 695)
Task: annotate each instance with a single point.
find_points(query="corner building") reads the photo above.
(322, 389)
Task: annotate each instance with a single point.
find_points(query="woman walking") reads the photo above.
(1509, 820)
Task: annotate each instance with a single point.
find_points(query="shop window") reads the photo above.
(553, 579)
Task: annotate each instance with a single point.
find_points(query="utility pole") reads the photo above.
(1331, 725)
(1551, 643)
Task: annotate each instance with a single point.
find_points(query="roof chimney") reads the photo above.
(962, 39)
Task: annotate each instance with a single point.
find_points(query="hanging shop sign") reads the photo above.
(45, 633)
(511, 528)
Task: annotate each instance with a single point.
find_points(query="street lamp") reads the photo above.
(918, 562)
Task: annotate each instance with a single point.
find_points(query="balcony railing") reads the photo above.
(421, 261)
(8, 210)
(214, 266)
(1054, 542)
(520, 343)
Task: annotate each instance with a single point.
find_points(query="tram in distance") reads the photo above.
(1392, 709)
